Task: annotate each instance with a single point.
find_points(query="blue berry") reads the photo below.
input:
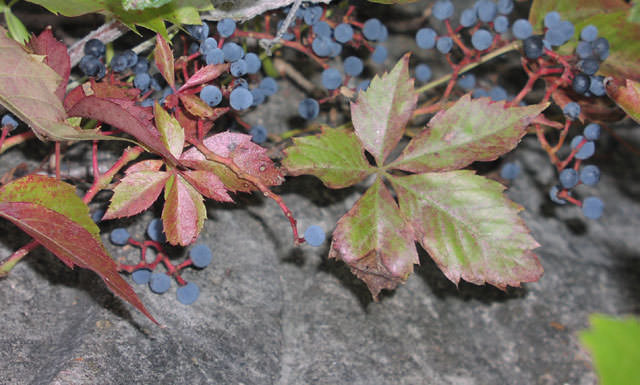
(423, 72)
(444, 44)
(321, 46)
(258, 96)
(119, 236)
(581, 83)
(141, 276)
(571, 110)
(587, 149)
(200, 255)
(141, 66)
(522, 29)
(334, 48)
(497, 93)
(552, 19)
(481, 39)
(553, 194)
(226, 27)
(188, 293)
(9, 120)
(589, 33)
(592, 207)
(601, 48)
(487, 10)
(132, 58)
(353, 66)
(238, 68)
(426, 38)
(314, 235)
(142, 81)
(384, 34)
(510, 170)
(468, 17)
(253, 63)
(379, 55)
(592, 131)
(95, 48)
(155, 230)
(442, 9)
(363, 85)
(568, 178)
(207, 45)
(159, 283)
(505, 7)
(596, 87)
(211, 95)
(467, 82)
(232, 52)
(590, 175)
(269, 86)
(240, 82)
(567, 29)
(533, 47)
(343, 33)
(584, 50)
(91, 66)
(322, 28)
(501, 24)
(198, 32)
(258, 134)
(215, 56)
(331, 78)
(309, 108)
(119, 63)
(312, 15)
(589, 66)
(240, 99)
(372, 29)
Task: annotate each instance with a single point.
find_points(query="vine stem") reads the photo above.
(210, 155)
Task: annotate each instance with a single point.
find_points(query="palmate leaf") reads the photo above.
(184, 212)
(135, 193)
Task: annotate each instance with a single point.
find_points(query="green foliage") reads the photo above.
(614, 344)
(17, 30)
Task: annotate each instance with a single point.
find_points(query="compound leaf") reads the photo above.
(469, 131)
(135, 193)
(208, 184)
(381, 113)
(335, 156)
(470, 229)
(164, 60)
(171, 131)
(375, 239)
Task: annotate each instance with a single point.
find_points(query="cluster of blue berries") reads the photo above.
(10, 121)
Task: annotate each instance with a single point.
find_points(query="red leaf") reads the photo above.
(190, 124)
(205, 75)
(164, 60)
(101, 90)
(145, 165)
(229, 178)
(183, 213)
(135, 193)
(198, 108)
(208, 184)
(72, 243)
(56, 57)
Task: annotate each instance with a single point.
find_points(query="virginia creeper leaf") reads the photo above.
(164, 60)
(72, 243)
(184, 212)
(247, 9)
(145, 165)
(626, 93)
(470, 229)
(171, 132)
(335, 156)
(469, 131)
(614, 347)
(135, 193)
(196, 107)
(56, 57)
(17, 30)
(205, 75)
(381, 113)
(190, 123)
(376, 241)
(229, 179)
(139, 5)
(208, 184)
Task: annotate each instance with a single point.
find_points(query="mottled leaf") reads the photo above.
(376, 241)
(208, 184)
(470, 229)
(56, 57)
(171, 132)
(205, 75)
(135, 193)
(164, 60)
(469, 131)
(614, 347)
(335, 156)
(381, 113)
(184, 212)
(72, 243)
(196, 107)
(626, 93)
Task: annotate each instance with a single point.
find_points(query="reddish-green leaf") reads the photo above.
(145, 165)
(469, 131)
(208, 184)
(381, 113)
(135, 193)
(72, 243)
(229, 179)
(205, 75)
(184, 212)
(335, 156)
(195, 106)
(171, 132)
(626, 93)
(56, 57)
(376, 240)
(164, 60)
(471, 230)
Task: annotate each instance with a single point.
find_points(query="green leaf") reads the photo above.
(375, 239)
(611, 18)
(335, 156)
(626, 93)
(139, 5)
(17, 30)
(164, 60)
(171, 131)
(469, 228)
(135, 193)
(381, 113)
(634, 13)
(615, 347)
(469, 131)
